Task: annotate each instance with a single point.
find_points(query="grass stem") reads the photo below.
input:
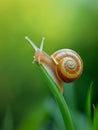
(59, 98)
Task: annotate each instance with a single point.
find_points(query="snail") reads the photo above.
(64, 65)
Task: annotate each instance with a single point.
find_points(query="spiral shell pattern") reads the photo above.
(69, 65)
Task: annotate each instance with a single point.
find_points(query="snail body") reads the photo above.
(64, 65)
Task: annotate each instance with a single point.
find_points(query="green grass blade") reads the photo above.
(95, 121)
(59, 98)
(88, 104)
(8, 121)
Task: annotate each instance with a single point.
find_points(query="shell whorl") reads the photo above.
(69, 64)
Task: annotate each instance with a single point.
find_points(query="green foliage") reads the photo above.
(95, 120)
(34, 118)
(64, 24)
(89, 102)
(59, 98)
(8, 120)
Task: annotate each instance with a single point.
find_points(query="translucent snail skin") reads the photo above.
(64, 65)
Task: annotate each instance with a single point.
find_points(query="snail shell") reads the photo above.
(69, 65)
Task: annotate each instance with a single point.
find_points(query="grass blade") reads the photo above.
(59, 98)
(8, 121)
(88, 104)
(95, 121)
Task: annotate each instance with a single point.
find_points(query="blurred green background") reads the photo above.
(25, 99)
